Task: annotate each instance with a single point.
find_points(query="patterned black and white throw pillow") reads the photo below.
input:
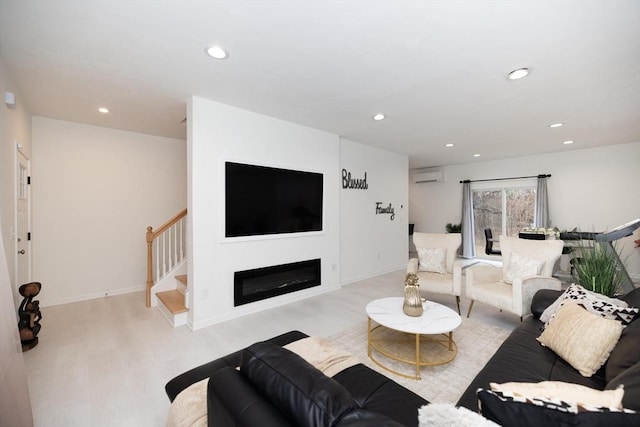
(609, 308)
(508, 409)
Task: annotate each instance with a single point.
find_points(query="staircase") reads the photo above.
(167, 286)
(173, 303)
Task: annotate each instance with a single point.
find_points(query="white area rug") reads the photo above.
(476, 342)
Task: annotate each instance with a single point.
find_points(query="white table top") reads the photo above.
(436, 318)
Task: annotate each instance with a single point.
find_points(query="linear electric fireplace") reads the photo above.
(267, 282)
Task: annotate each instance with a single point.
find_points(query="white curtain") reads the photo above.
(468, 229)
(541, 217)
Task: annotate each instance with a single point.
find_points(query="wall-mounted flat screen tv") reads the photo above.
(262, 200)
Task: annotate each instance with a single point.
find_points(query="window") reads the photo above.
(506, 210)
(22, 182)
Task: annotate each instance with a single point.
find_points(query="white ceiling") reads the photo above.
(437, 69)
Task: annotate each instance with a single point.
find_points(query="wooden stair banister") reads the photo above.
(151, 237)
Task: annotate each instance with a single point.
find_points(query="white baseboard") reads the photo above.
(374, 274)
(262, 305)
(92, 295)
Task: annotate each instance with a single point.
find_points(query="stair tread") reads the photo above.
(182, 278)
(173, 300)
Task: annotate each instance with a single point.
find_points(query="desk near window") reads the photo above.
(573, 238)
(538, 234)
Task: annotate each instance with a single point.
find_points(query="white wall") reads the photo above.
(592, 189)
(15, 128)
(219, 132)
(370, 243)
(15, 405)
(94, 192)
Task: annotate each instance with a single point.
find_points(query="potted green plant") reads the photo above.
(453, 228)
(597, 269)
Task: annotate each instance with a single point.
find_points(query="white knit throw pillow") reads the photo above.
(447, 415)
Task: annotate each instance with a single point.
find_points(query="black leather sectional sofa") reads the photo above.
(298, 393)
(521, 358)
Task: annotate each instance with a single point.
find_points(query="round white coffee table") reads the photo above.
(436, 326)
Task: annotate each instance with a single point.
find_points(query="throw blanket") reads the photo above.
(189, 408)
(322, 355)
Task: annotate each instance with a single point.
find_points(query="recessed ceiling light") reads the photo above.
(556, 125)
(217, 52)
(476, 155)
(379, 117)
(448, 145)
(567, 142)
(518, 74)
(103, 110)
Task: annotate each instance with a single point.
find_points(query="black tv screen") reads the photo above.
(262, 200)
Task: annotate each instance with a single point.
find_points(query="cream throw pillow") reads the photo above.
(567, 392)
(583, 339)
(521, 266)
(432, 259)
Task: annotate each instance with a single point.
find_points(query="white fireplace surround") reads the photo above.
(347, 247)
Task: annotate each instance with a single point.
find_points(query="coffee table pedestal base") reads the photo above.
(445, 340)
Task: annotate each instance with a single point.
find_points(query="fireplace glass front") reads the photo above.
(268, 282)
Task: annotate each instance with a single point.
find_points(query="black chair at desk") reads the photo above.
(488, 248)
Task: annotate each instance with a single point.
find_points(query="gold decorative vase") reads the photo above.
(412, 300)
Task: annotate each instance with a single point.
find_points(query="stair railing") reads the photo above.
(166, 248)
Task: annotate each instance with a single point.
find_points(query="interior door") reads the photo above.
(23, 216)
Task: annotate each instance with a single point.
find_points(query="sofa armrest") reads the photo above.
(412, 266)
(543, 299)
(458, 265)
(184, 380)
(525, 288)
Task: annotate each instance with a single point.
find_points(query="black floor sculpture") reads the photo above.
(29, 315)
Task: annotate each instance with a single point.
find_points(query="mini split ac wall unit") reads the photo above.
(435, 176)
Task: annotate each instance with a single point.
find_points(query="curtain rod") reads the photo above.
(505, 179)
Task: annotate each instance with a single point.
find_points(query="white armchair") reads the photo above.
(436, 265)
(527, 266)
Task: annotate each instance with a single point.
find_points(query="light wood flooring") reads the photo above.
(105, 362)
